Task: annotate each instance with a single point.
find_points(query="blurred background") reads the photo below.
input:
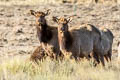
(37, 2)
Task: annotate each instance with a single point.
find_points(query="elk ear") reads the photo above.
(55, 19)
(70, 19)
(32, 12)
(47, 12)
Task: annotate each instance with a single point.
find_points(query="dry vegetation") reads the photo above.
(18, 40)
(17, 69)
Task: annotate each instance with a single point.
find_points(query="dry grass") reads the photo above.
(17, 69)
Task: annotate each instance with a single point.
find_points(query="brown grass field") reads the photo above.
(18, 39)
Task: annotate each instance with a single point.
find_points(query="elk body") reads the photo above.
(79, 41)
(47, 34)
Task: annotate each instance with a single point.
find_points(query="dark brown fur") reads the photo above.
(44, 34)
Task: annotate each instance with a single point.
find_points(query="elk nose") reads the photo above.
(62, 29)
(39, 20)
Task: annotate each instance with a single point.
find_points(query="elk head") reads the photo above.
(63, 24)
(40, 16)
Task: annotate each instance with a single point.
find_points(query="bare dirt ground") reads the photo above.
(18, 32)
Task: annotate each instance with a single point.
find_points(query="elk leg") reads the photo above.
(109, 54)
(102, 60)
(106, 57)
(96, 58)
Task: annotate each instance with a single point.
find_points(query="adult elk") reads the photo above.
(47, 34)
(107, 41)
(79, 41)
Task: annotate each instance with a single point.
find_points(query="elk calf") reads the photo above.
(38, 54)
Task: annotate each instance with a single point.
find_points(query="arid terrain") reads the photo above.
(18, 33)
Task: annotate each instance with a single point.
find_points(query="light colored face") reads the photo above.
(63, 24)
(40, 16)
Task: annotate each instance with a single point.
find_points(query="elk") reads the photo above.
(79, 41)
(107, 41)
(38, 54)
(47, 34)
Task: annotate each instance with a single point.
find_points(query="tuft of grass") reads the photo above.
(17, 69)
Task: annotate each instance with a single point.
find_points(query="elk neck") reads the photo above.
(44, 33)
(65, 40)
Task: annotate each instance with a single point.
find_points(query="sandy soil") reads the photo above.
(18, 32)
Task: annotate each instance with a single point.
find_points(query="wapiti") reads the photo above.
(79, 41)
(38, 54)
(107, 41)
(47, 34)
